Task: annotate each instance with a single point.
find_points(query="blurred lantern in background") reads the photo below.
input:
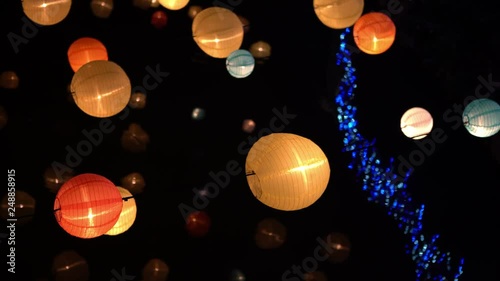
(159, 19)
(135, 139)
(338, 14)
(198, 224)
(101, 88)
(217, 31)
(270, 234)
(137, 100)
(237, 275)
(240, 64)
(260, 50)
(134, 182)
(374, 33)
(193, 11)
(287, 172)
(198, 113)
(145, 4)
(155, 3)
(85, 50)
(22, 207)
(128, 214)
(339, 247)
(46, 12)
(155, 270)
(70, 266)
(9, 80)
(54, 181)
(315, 276)
(174, 4)
(245, 23)
(248, 126)
(4, 117)
(416, 123)
(101, 8)
(481, 118)
(88, 206)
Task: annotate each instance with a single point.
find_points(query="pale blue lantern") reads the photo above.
(482, 118)
(240, 63)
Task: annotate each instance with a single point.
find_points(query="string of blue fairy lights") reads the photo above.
(386, 188)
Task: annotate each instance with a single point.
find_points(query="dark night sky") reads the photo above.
(434, 64)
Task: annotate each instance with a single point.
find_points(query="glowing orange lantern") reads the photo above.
(374, 33)
(159, 19)
(198, 224)
(88, 206)
(85, 50)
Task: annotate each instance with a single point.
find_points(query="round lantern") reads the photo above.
(416, 123)
(338, 14)
(128, 214)
(286, 171)
(198, 224)
(46, 12)
(236, 275)
(54, 181)
(155, 270)
(374, 33)
(340, 247)
(159, 19)
(481, 118)
(9, 80)
(260, 50)
(174, 4)
(85, 50)
(198, 113)
(270, 234)
(135, 139)
(70, 266)
(23, 205)
(101, 88)
(217, 31)
(193, 11)
(102, 8)
(134, 182)
(88, 206)
(137, 100)
(240, 63)
(248, 126)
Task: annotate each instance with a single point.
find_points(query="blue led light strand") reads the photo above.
(386, 188)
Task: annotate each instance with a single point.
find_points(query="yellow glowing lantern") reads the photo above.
(85, 50)
(286, 171)
(46, 12)
(173, 4)
(416, 123)
(217, 31)
(338, 14)
(128, 214)
(101, 88)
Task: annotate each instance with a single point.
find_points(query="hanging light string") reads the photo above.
(386, 188)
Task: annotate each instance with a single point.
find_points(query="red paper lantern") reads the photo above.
(159, 19)
(198, 223)
(88, 205)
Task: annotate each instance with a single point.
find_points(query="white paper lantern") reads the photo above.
(416, 123)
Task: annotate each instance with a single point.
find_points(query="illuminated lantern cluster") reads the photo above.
(374, 33)
(128, 214)
(338, 14)
(46, 12)
(481, 118)
(286, 171)
(240, 63)
(416, 123)
(88, 206)
(85, 50)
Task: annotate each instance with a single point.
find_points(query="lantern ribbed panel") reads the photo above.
(338, 14)
(46, 12)
(416, 123)
(101, 88)
(217, 31)
(128, 214)
(374, 33)
(240, 63)
(85, 50)
(481, 118)
(88, 206)
(290, 171)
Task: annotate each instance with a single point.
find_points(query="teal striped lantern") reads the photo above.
(240, 63)
(482, 118)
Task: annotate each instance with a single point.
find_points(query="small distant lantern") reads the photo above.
(85, 50)
(159, 19)
(155, 270)
(21, 206)
(134, 182)
(46, 12)
(193, 11)
(135, 139)
(340, 247)
(240, 64)
(198, 224)
(102, 8)
(338, 14)
(137, 100)
(69, 265)
(53, 181)
(9, 80)
(374, 33)
(260, 50)
(481, 118)
(248, 126)
(416, 123)
(270, 234)
(198, 113)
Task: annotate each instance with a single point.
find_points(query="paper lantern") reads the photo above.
(70, 266)
(286, 171)
(102, 8)
(416, 123)
(101, 88)
(145, 4)
(217, 31)
(53, 181)
(248, 126)
(9, 80)
(20, 206)
(159, 19)
(174, 4)
(46, 12)
(481, 118)
(240, 63)
(88, 206)
(135, 139)
(338, 14)
(134, 182)
(194, 10)
(137, 100)
(198, 224)
(374, 33)
(85, 50)
(198, 113)
(128, 214)
(270, 234)
(155, 270)
(260, 50)
(340, 247)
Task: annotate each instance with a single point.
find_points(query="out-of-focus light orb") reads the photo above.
(248, 126)
(4, 117)
(173, 4)
(340, 247)
(46, 12)
(9, 80)
(270, 234)
(135, 139)
(198, 224)
(237, 275)
(134, 182)
(102, 8)
(416, 123)
(481, 118)
(193, 11)
(155, 270)
(137, 100)
(155, 3)
(54, 181)
(198, 113)
(21, 206)
(261, 51)
(240, 64)
(159, 19)
(70, 266)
